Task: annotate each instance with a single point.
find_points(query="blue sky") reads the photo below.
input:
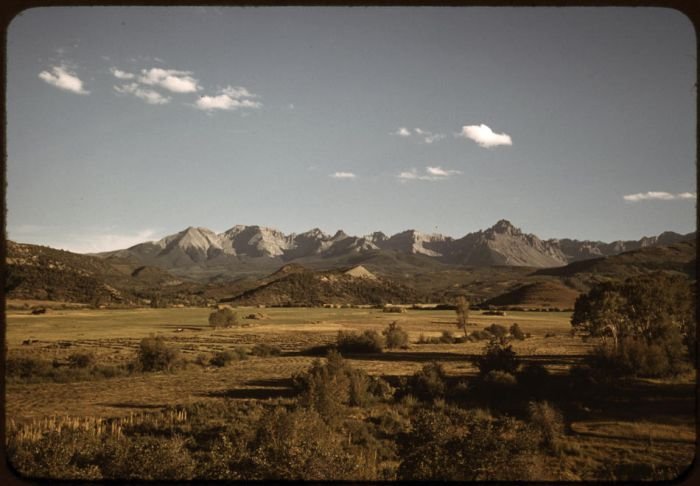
(126, 124)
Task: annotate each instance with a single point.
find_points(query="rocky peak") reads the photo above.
(503, 226)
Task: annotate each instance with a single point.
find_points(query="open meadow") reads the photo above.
(639, 423)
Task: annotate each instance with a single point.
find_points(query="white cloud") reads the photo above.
(343, 175)
(484, 136)
(439, 171)
(428, 137)
(658, 196)
(64, 79)
(146, 94)
(230, 98)
(433, 137)
(118, 73)
(430, 174)
(170, 79)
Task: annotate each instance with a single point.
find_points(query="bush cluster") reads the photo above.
(155, 355)
(637, 357)
(225, 357)
(498, 356)
(369, 341)
(328, 388)
(395, 337)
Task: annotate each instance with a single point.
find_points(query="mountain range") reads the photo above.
(202, 254)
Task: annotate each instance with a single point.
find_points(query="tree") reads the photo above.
(601, 312)
(651, 319)
(224, 317)
(648, 307)
(462, 310)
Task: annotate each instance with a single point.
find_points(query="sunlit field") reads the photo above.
(598, 429)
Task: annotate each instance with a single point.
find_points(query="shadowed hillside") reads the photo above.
(43, 273)
(539, 294)
(298, 286)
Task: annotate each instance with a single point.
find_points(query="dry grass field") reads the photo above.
(652, 423)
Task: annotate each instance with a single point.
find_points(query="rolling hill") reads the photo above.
(43, 273)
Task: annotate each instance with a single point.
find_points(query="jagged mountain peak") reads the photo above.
(503, 226)
(501, 244)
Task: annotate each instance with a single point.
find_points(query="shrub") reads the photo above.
(155, 355)
(499, 357)
(395, 337)
(147, 457)
(299, 444)
(27, 368)
(637, 357)
(499, 378)
(549, 422)
(223, 317)
(480, 335)
(64, 454)
(368, 342)
(450, 444)
(265, 350)
(516, 332)
(428, 383)
(497, 330)
(447, 337)
(223, 358)
(81, 360)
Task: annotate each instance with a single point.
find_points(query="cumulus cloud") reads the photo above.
(229, 98)
(429, 174)
(119, 74)
(484, 136)
(658, 196)
(146, 94)
(62, 78)
(403, 132)
(170, 79)
(343, 175)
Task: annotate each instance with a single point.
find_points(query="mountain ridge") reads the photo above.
(256, 249)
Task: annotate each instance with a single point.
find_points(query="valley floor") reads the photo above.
(642, 422)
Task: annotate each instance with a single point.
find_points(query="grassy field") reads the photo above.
(598, 430)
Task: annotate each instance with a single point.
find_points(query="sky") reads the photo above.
(126, 124)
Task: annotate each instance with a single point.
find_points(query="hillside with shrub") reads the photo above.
(43, 273)
(306, 287)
